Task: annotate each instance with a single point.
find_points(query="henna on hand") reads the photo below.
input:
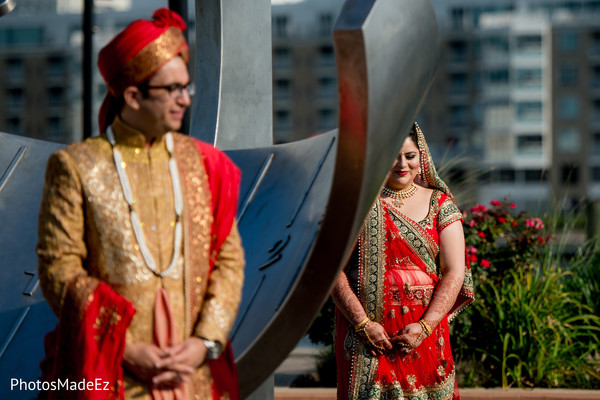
(443, 299)
(346, 300)
(409, 338)
(374, 336)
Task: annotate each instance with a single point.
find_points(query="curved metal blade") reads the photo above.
(386, 53)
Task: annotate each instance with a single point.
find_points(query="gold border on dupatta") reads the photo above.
(372, 263)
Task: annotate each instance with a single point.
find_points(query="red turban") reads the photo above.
(136, 53)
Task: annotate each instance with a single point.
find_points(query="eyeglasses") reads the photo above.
(175, 89)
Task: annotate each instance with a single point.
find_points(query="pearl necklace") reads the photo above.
(135, 221)
(398, 195)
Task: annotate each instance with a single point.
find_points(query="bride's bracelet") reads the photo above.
(425, 327)
(369, 339)
(362, 324)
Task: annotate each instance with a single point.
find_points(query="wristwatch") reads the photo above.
(213, 349)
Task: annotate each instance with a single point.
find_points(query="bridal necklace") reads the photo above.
(135, 220)
(398, 196)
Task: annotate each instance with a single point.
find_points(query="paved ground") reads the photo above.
(302, 362)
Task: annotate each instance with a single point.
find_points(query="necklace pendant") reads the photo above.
(398, 203)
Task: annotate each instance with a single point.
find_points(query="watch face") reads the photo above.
(213, 349)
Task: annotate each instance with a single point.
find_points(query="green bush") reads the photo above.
(533, 323)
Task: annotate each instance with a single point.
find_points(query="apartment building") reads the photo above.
(41, 65)
(305, 94)
(516, 94)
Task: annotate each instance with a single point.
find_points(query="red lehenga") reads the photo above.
(395, 274)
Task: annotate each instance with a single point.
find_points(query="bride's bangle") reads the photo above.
(425, 327)
(361, 324)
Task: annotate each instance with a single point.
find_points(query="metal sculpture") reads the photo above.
(6, 6)
(301, 204)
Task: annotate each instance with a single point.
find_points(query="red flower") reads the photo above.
(540, 239)
(479, 208)
(514, 223)
(535, 223)
(495, 203)
(502, 220)
(472, 258)
(481, 234)
(485, 263)
(472, 223)
(513, 205)
(472, 249)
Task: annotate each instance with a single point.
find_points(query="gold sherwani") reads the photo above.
(86, 235)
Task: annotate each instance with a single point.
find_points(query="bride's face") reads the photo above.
(406, 166)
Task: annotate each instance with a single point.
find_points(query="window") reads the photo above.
(457, 51)
(327, 87)
(494, 48)
(56, 66)
(14, 126)
(15, 68)
(595, 78)
(534, 175)
(458, 84)
(529, 111)
(283, 120)
(570, 173)
(593, 6)
(498, 77)
(325, 22)
(529, 144)
(531, 44)
(21, 37)
(326, 120)
(282, 57)
(506, 175)
(283, 88)
(55, 96)
(458, 14)
(568, 107)
(281, 26)
(15, 97)
(569, 141)
(458, 116)
(529, 78)
(568, 74)
(596, 143)
(54, 127)
(595, 42)
(497, 114)
(326, 55)
(568, 41)
(595, 172)
(496, 44)
(596, 110)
